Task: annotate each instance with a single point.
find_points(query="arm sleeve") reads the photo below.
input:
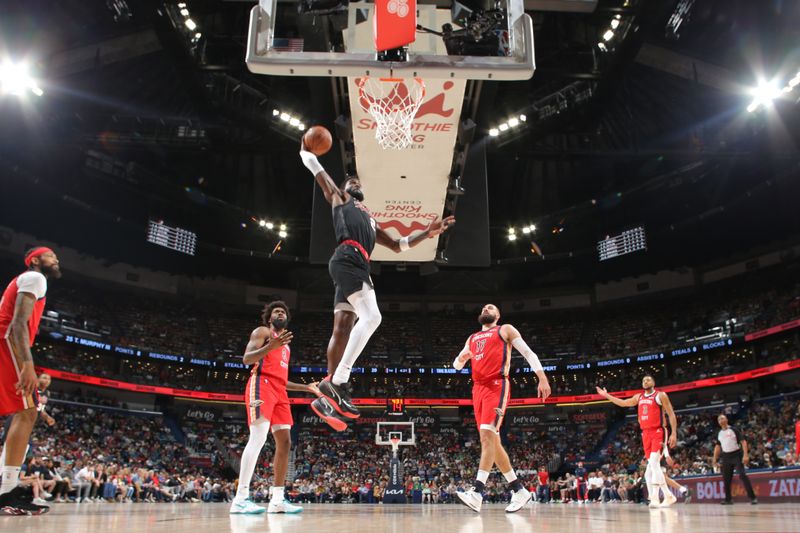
(32, 282)
(523, 348)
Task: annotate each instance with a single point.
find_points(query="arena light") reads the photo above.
(513, 122)
(191, 24)
(602, 47)
(275, 113)
(614, 23)
(512, 237)
(198, 35)
(282, 234)
(503, 127)
(511, 231)
(494, 132)
(262, 223)
(283, 227)
(269, 225)
(608, 35)
(285, 117)
(185, 12)
(764, 94)
(526, 230)
(523, 118)
(301, 127)
(16, 80)
(294, 122)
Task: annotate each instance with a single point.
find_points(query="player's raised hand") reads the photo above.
(601, 391)
(439, 226)
(544, 389)
(313, 388)
(284, 338)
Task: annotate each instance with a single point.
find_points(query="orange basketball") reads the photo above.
(318, 140)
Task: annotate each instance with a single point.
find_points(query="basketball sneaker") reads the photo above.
(17, 502)
(471, 499)
(282, 506)
(669, 498)
(326, 412)
(519, 500)
(245, 507)
(339, 397)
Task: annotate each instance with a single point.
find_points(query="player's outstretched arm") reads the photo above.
(437, 227)
(311, 388)
(673, 420)
(256, 347)
(462, 358)
(511, 334)
(332, 193)
(628, 402)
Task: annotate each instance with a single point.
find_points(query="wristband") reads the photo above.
(311, 163)
(404, 245)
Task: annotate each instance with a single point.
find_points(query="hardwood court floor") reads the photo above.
(201, 518)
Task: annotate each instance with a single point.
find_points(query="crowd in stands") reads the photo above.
(214, 331)
(100, 451)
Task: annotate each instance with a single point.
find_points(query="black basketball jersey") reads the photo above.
(352, 221)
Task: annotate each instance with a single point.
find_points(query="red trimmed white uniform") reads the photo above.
(265, 395)
(491, 389)
(651, 421)
(10, 370)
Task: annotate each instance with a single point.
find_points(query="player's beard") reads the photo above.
(355, 193)
(50, 271)
(279, 323)
(486, 319)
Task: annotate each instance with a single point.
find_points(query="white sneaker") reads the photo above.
(282, 506)
(471, 499)
(39, 501)
(245, 507)
(519, 500)
(669, 498)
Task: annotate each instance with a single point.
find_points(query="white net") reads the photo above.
(393, 104)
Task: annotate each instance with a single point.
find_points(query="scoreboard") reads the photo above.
(174, 238)
(395, 406)
(628, 241)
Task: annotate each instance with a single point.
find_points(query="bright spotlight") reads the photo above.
(198, 35)
(533, 227)
(526, 230)
(185, 12)
(511, 231)
(512, 237)
(523, 118)
(14, 79)
(602, 47)
(301, 127)
(294, 122)
(275, 112)
(282, 234)
(764, 94)
(614, 24)
(494, 132)
(513, 122)
(608, 35)
(503, 127)
(269, 225)
(285, 117)
(191, 24)
(262, 222)
(283, 227)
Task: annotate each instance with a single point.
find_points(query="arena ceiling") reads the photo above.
(661, 138)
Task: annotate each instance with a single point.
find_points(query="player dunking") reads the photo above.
(356, 234)
(268, 406)
(21, 310)
(490, 352)
(653, 405)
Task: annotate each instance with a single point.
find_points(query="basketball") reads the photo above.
(318, 140)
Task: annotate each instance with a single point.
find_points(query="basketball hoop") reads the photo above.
(395, 443)
(393, 104)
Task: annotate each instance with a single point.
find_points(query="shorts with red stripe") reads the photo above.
(653, 440)
(266, 400)
(10, 401)
(490, 400)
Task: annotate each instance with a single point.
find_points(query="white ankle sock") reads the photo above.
(510, 475)
(277, 494)
(483, 476)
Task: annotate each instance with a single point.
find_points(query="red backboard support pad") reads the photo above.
(395, 23)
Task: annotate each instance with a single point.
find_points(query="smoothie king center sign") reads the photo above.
(405, 190)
